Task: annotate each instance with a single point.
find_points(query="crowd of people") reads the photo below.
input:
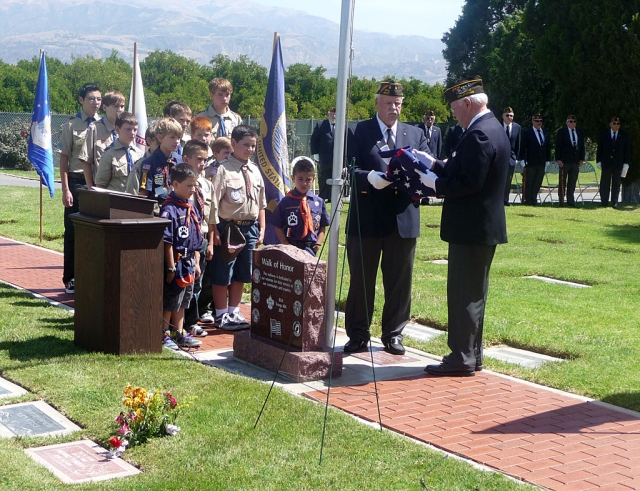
(199, 172)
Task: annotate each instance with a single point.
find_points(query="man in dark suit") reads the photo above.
(451, 138)
(570, 157)
(388, 222)
(322, 150)
(432, 133)
(513, 132)
(473, 221)
(535, 155)
(614, 153)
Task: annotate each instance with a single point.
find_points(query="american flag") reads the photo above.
(402, 170)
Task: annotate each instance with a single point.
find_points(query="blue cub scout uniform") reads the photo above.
(287, 217)
(155, 175)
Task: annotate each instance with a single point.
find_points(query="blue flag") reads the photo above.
(273, 154)
(40, 152)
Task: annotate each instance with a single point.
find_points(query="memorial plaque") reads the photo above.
(33, 419)
(81, 461)
(8, 389)
(383, 358)
(287, 297)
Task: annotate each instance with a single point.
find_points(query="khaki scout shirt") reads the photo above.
(72, 139)
(208, 193)
(231, 120)
(97, 142)
(113, 168)
(133, 180)
(231, 201)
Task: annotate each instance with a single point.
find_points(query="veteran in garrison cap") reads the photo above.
(473, 221)
(613, 156)
(385, 223)
(431, 132)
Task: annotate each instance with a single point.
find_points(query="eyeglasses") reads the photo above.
(509, 115)
(94, 99)
(537, 121)
(571, 120)
(616, 124)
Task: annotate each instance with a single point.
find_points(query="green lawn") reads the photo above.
(29, 173)
(218, 448)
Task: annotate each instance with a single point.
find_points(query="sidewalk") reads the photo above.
(539, 435)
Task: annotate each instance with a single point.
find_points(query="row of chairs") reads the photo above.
(550, 184)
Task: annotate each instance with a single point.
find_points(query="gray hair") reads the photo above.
(479, 99)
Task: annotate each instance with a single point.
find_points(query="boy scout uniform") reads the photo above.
(97, 141)
(72, 139)
(114, 166)
(231, 120)
(133, 179)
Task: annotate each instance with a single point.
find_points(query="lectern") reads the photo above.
(119, 256)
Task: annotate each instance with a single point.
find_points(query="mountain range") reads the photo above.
(201, 29)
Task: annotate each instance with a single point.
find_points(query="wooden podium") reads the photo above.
(119, 258)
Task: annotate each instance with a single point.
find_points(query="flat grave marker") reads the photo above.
(8, 389)
(35, 418)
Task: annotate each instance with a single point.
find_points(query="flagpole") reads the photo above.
(41, 219)
(133, 90)
(338, 160)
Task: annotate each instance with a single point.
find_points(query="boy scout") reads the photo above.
(102, 136)
(72, 139)
(118, 161)
(133, 181)
(218, 111)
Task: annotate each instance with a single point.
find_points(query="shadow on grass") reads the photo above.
(39, 349)
(63, 324)
(629, 233)
(630, 400)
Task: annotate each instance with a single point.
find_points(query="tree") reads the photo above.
(591, 49)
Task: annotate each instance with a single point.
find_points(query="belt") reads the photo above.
(240, 222)
(71, 177)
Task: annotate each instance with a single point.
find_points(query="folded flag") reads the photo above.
(403, 171)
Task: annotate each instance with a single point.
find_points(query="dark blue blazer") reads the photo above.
(535, 154)
(514, 140)
(565, 151)
(381, 210)
(613, 155)
(472, 183)
(435, 142)
(322, 142)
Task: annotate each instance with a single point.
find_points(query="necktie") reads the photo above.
(115, 135)
(305, 213)
(428, 134)
(179, 150)
(615, 134)
(90, 120)
(222, 129)
(129, 158)
(508, 133)
(247, 180)
(540, 137)
(390, 143)
(332, 128)
(200, 201)
(573, 138)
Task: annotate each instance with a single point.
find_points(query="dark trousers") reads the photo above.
(205, 301)
(610, 179)
(324, 172)
(507, 186)
(192, 312)
(569, 174)
(68, 271)
(397, 268)
(467, 288)
(533, 180)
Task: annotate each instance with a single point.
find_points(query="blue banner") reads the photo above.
(272, 152)
(40, 152)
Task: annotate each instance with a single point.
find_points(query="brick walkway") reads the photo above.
(539, 435)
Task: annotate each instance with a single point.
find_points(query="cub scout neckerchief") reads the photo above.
(305, 213)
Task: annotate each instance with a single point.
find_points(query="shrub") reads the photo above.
(14, 139)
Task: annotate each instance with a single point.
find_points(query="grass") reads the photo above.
(29, 173)
(218, 448)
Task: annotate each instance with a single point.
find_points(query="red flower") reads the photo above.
(171, 400)
(23, 133)
(115, 442)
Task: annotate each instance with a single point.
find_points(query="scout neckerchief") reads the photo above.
(305, 213)
(200, 201)
(185, 205)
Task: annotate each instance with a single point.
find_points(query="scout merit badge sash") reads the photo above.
(184, 268)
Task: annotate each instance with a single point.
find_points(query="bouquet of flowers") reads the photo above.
(147, 415)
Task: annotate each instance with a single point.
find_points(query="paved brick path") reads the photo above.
(539, 435)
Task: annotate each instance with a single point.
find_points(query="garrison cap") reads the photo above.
(572, 116)
(390, 87)
(464, 89)
(507, 110)
(615, 119)
(537, 116)
(429, 112)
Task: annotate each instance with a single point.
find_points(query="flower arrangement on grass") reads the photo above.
(147, 415)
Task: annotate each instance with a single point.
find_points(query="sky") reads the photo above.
(429, 18)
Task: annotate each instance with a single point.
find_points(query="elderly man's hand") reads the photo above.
(377, 179)
(424, 157)
(428, 179)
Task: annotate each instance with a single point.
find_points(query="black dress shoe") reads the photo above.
(446, 370)
(354, 345)
(615, 205)
(479, 366)
(394, 346)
